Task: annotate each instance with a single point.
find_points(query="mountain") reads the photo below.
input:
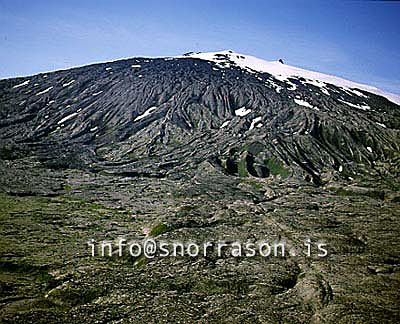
(221, 145)
(309, 122)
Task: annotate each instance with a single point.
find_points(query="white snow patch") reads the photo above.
(382, 125)
(276, 87)
(93, 129)
(21, 84)
(316, 83)
(225, 123)
(66, 118)
(284, 71)
(358, 93)
(68, 83)
(97, 93)
(44, 91)
(369, 148)
(145, 114)
(303, 103)
(254, 122)
(242, 111)
(340, 169)
(108, 68)
(323, 90)
(362, 107)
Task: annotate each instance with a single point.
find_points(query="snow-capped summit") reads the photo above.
(283, 71)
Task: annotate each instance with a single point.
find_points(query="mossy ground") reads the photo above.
(47, 274)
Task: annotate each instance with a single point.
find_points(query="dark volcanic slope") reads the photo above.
(193, 150)
(100, 112)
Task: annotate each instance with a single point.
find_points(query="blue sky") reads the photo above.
(357, 40)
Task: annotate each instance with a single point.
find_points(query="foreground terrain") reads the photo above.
(49, 276)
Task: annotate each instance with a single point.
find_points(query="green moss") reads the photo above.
(301, 276)
(242, 168)
(45, 277)
(277, 168)
(159, 229)
(376, 194)
(141, 261)
(256, 185)
(70, 297)
(223, 163)
(244, 148)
